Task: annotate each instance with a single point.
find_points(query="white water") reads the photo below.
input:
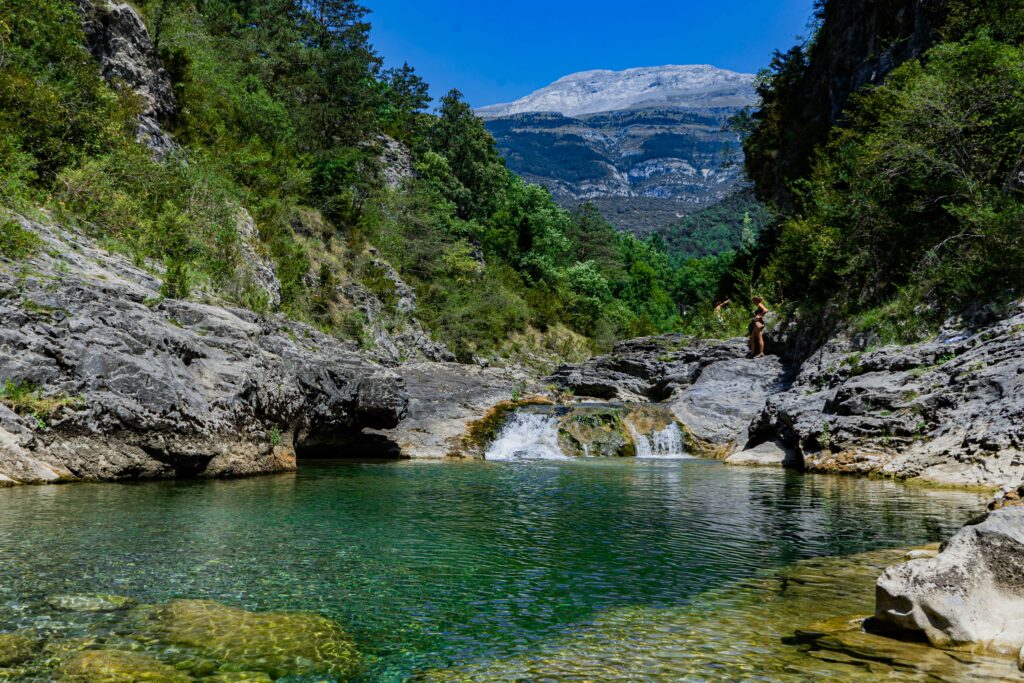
(667, 443)
(527, 436)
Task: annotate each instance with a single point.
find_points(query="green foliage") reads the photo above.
(15, 241)
(913, 208)
(731, 224)
(921, 189)
(26, 398)
(176, 213)
(55, 108)
(280, 109)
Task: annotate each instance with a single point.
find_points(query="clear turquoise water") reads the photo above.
(431, 565)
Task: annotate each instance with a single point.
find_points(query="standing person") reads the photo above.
(756, 328)
(719, 307)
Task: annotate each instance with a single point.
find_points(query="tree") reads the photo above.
(460, 136)
(406, 97)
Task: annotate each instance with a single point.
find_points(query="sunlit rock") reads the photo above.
(971, 595)
(119, 666)
(89, 603)
(275, 643)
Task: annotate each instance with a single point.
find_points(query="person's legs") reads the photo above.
(758, 344)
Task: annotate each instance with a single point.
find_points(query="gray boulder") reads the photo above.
(444, 399)
(718, 407)
(768, 454)
(971, 595)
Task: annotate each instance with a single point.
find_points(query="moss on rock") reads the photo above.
(482, 432)
(118, 666)
(600, 433)
(276, 643)
(17, 647)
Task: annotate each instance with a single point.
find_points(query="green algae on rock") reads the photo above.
(119, 666)
(598, 433)
(276, 643)
(17, 647)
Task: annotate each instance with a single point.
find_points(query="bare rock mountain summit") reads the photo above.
(645, 145)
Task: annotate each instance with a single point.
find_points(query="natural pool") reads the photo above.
(578, 570)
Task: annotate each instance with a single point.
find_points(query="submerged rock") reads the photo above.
(971, 595)
(275, 643)
(119, 666)
(90, 603)
(17, 647)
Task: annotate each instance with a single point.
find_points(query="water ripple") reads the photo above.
(430, 565)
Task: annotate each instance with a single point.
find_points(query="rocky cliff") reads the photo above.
(858, 43)
(106, 379)
(118, 38)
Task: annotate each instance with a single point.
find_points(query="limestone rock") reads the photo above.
(395, 162)
(165, 388)
(718, 407)
(444, 398)
(119, 39)
(768, 454)
(949, 411)
(971, 595)
(259, 268)
(90, 603)
(713, 390)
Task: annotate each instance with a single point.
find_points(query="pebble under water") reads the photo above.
(539, 570)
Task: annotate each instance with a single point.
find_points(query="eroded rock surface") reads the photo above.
(123, 384)
(971, 595)
(444, 398)
(711, 387)
(949, 411)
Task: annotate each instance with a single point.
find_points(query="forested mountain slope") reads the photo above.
(280, 110)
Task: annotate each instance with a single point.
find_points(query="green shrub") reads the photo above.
(15, 241)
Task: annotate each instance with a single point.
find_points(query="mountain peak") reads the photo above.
(688, 86)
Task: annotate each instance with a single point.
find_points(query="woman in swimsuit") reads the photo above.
(757, 329)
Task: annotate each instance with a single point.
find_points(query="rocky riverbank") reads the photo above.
(105, 379)
(949, 411)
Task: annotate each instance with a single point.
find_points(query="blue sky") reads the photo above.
(499, 51)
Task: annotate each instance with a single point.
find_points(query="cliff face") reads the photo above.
(108, 380)
(642, 168)
(858, 44)
(861, 41)
(118, 38)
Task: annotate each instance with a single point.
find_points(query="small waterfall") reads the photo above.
(527, 436)
(665, 443)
